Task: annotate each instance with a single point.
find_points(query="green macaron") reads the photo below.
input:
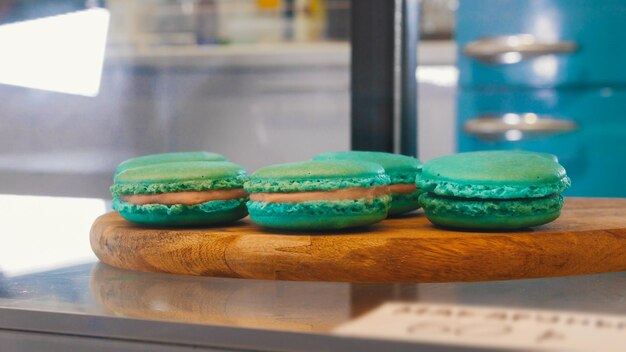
(401, 169)
(168, 158)
(492, 189)
(185, 193)
(318, 195)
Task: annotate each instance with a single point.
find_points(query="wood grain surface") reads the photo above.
(589, 237)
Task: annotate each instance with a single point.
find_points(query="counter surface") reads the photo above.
(94, 300)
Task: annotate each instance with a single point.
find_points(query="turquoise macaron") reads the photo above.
(318, 195)
(184, 193)
(492, 189)
(168, 158)
(401, 169)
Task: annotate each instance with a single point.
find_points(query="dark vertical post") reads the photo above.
(384, 37)
(408, 83)
(372, 74)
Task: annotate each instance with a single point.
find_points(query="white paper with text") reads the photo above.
(491, 327)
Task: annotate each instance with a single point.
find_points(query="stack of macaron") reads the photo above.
(478, 190)
(180, 189)
(318, 195)
(492, 189)
(401, 169)
(333, 191)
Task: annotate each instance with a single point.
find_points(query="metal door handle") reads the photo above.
(512, 49)
(514, 127)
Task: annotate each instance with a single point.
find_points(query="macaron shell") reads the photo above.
(490, 214)
(316, 176)
(179, 177)
(315, 223)
(209, 213)
(319, 169)
(494, 174)
(168, 158)
(401, 168)
(319, 215)
(177, 171)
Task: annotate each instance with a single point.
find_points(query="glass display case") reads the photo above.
(260, 81)
(85, 85)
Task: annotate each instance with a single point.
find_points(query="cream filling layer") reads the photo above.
(339, 194)
(184, 198)
(403, 188)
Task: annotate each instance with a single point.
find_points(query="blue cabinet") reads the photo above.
(588, 38)
(548, 76)
(586, 129)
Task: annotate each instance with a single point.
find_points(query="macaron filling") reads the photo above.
(402, 188)
(184, 198)
(339, 194)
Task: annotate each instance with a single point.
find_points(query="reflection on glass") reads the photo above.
(281, 305)
(44, 233)
(142, 24)
(443, 76)
(262, 304)
(546, 68)
(513, 135)
(62, 53)
(229, 76)
(511, 57)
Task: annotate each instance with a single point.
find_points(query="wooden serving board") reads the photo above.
(589, 237)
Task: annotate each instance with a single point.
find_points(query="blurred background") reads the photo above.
(87, 84)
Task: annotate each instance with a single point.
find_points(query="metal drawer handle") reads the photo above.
(512, 49)
(514, 127)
